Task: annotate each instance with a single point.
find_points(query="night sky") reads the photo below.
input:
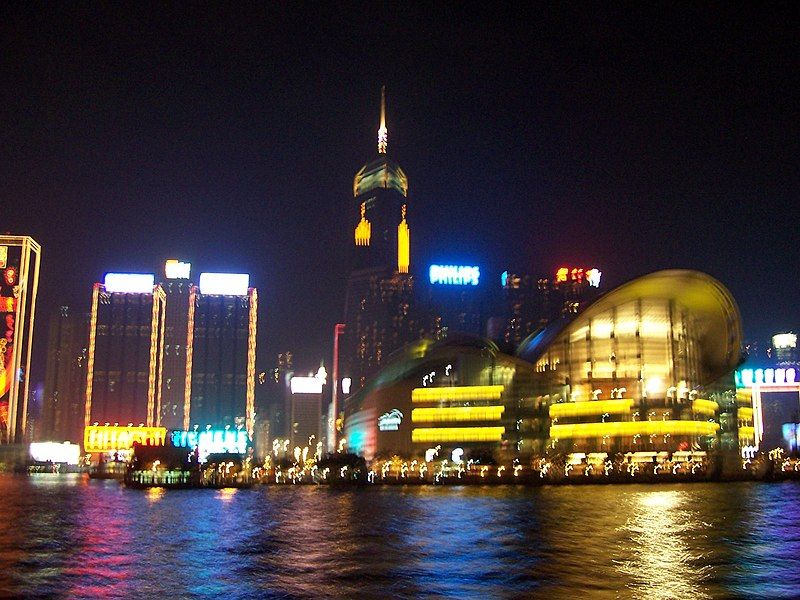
(625, 137)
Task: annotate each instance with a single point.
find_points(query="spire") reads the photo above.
(382, 132)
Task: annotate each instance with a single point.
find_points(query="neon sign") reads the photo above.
(766, 377)
(454, 275)
(390, 421)
(306, 385)
(129, 283)
(55, 453)
(211, 441)
(785, 340)
(591, 276)
(224, 284)
(110, 438)
(174, 269)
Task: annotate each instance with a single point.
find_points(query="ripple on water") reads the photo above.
(69, 537)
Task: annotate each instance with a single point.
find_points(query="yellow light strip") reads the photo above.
(457, 413)
(251, 363)
(747, 433)
(705, 407)
(364, 228)
(745, 412)
(151, 379)
(631, 428)
(457, 434)
(162, 299)
(472, 392)
(87, 409)
(187, 388)
(593, 407)
(403, 244)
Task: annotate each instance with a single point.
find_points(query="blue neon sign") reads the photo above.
(211, 441)
(454, 275)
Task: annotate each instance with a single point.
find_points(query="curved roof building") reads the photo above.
(629, 373)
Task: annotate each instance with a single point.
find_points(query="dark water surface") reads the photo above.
(66, 536)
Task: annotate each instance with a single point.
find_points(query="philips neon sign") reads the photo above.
(454, 275)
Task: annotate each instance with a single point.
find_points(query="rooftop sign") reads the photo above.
(175, 269)
(306, 385)
(129, 283)
(454, 275)
(224, 284)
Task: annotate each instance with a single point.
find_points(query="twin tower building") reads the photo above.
(177, 354)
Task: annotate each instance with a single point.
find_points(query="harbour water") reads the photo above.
(64, 536)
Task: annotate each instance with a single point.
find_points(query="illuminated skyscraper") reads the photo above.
(177, 288)
(379, 289)
(221, 352)
(65, 378)
(19, 264)
(126, 349)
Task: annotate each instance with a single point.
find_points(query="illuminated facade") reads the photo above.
(19, 265)
(768, 399)
(124, 361)
(65, 379)
(379, 289)
(178, 289)
(629, 372)
(220, 356)
(632, 371)
(458, 392)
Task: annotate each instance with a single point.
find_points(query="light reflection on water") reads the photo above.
(64, 536)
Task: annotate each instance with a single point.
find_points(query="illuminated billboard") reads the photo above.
(765, 377)
(175, 269)
(784, 340)
(306, 385)
(454, 275)
(224, 284)
(211, 441)
(591, 276)
(129, 283)
(111, 438)
(54, 452)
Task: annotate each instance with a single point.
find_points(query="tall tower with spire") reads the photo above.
(380, 189)
(378, 317)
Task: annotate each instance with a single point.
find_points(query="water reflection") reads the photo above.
(155, 494)
(664, 558)
(99, 539)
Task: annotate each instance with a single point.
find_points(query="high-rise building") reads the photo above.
(529, 303)
(785, 349)
(65, 377)
(306, 412)
(378, 315)
(125, 352)
(177, 287)
(221, 352)
(19, 263)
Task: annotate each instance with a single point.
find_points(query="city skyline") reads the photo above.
(642, 154)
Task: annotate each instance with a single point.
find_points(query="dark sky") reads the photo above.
(626, 137)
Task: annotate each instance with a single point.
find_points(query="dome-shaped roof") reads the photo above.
(699, 293)
(380, 173)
